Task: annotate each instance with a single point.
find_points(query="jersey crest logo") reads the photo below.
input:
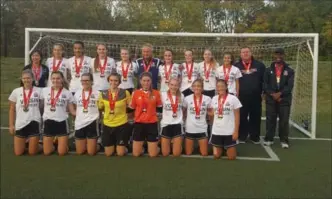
(35, 94)
(227, 104)
(92, 96)
(285, 73)
(63, 96)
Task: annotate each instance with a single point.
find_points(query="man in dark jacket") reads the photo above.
(251, 90)
(278, 86)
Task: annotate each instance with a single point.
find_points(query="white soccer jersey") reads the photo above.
(234, 74)
(226, 124)
(33, 114)
(101, 83)
(210, 82)
(60, 114)
(83, 119)
(194, 125)
(63, 67)
(75, 82)
(185, 83)
(167, 117)
(175, 72)
(132, 70)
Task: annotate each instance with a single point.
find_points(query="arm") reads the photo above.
(237, 87)
(236, 123)
(266, 83)
(288, 87)
(100, 102)
(12, 117)
(72, 110)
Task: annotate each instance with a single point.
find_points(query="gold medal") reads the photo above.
(278, 80)
(174, 115)
(124, 79)
(112, 112)
(52, 109)
(85, 110)
(25, 109)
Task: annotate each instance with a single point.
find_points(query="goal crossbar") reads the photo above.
(314, 54)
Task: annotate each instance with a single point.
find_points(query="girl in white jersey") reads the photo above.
(78, 64)
(168, 70)
(172, 119)
(58, 63)
(230, 74)
(102, 67)
(207, 70)
(24, 115)
(195, 109)
(225, 110)
(57, 100)
(127, 69)
(189, 74)
(87, 115)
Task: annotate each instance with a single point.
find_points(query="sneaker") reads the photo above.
(242, 141)
(268, 143)
(255, 141)
(284, 145)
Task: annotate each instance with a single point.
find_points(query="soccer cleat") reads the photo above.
(284, 145)
(268, 143)
(242, 141)
(255, 141)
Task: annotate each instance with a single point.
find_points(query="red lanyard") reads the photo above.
(55, 99)
(198, 106)
(173, 105)
(189, 71)
(56, 67)
(112, 100)
(226, 73)
(26, 98)
(147, 68)
(206, 72)
(37, 72)
(79, 66)
(221, 102)
(167, 73)
(247, 66)
(125, 71)
(85, 101)
(278, 70)
(145, 104)
(102, 68)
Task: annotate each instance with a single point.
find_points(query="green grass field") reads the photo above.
(303, 171)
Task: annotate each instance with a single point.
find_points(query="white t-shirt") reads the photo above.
(167, 117)
(60, 114)
(194, 125)
(175, 72)
(63, 67)
(33, 114)
(224, 125)
(211, 84)
(129, 83)
(234, 74)
(84, 119)
(101, 83)
(75, 82)
(185, 84)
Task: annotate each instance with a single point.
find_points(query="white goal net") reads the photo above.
(301, 53)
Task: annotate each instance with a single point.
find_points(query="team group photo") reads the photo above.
(166, 99)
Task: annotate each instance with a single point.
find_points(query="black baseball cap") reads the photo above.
(279, 51)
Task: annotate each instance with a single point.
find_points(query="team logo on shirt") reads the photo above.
(92, 96)
(63, 96)
(285, 73)
(227, 104)
(35, 94)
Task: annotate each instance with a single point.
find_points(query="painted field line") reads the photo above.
(304, 138)
(269, 151)
(199, 157)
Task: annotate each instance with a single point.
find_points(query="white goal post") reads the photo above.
(302, 47)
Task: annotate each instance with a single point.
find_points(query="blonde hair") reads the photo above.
(178, 92)
(213, 62)
(147, 45)
(62, 48)
(65, 84)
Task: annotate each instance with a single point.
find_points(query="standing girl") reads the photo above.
(230, 74)
(168, 70)
(225, 110)
(58, 63)
(208, 73)
(196, 126)
(24, 115)
(127, 69)
(102, 67)
(87, 115)
(172, 119)
(146, 102)
(190, 73)
(57, 100)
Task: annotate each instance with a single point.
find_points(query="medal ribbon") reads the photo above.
(56, 67)
(102, 68)
(26, 98)
(198, 106)
(278, 70)
(145, 104)
(221, 102)
(125, 71)
(189, 71)
(174, 105)
(206, 72)
(247, 66)
(79, 66)
(167, 73)
(37, 72)
(226, 73)
(112, 100)
(85, 101)
(147, 68)
(54, 99)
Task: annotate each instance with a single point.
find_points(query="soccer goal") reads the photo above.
(301, 51)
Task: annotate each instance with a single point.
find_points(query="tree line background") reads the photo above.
(222, 16)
